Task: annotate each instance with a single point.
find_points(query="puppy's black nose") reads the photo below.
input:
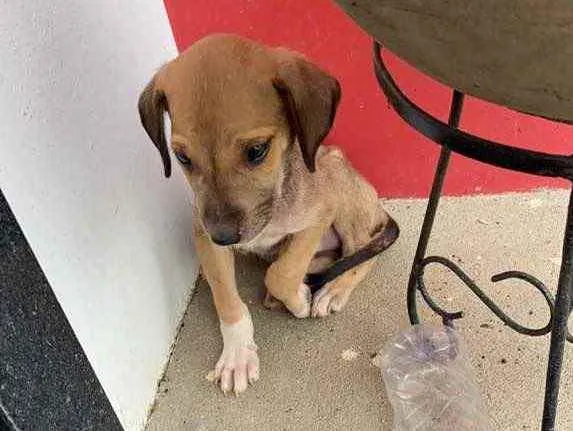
(225, 236)
(223, 223)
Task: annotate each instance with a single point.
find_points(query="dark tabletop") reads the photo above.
(517, 53)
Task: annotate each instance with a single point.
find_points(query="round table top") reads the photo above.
(516, 53)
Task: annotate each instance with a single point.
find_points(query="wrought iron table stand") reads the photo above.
(451, 139)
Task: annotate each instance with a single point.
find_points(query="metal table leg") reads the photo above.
(559, 326)
(437, 185)
(533, 162)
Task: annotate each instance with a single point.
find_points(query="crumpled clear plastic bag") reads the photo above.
(429, 382)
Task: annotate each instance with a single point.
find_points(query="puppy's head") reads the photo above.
(240, 114)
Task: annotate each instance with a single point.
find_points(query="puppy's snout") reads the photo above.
(225, 235)
(223, 225)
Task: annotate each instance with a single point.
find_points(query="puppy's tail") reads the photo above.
(377, 245)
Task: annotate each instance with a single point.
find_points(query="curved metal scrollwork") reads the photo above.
(448, 317)
(451, 139)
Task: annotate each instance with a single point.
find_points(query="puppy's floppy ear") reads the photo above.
(152, 105)
(310, 97)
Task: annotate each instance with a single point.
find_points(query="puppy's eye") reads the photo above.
(257, 153)
(183, 159)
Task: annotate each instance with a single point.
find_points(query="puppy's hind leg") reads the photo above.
(334, 296)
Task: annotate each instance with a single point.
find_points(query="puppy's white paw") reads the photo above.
(238, 365)
(327, 301)
(301, 308)
(237, 368)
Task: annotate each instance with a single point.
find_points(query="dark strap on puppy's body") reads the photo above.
(376, 246)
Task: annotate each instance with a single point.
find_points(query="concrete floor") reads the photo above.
(309, 381)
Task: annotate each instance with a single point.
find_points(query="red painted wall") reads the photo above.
(391, 155)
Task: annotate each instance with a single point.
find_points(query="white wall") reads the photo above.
(112, 235)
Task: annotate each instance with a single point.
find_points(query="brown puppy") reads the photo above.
(247, 122)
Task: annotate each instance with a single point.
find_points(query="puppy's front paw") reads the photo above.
(237, 368)
(294, 295)
(238, 365)
(299, 304)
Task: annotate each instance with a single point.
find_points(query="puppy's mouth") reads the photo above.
(224, 237)
(240, 228)
(259, 219)
(251, 235)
